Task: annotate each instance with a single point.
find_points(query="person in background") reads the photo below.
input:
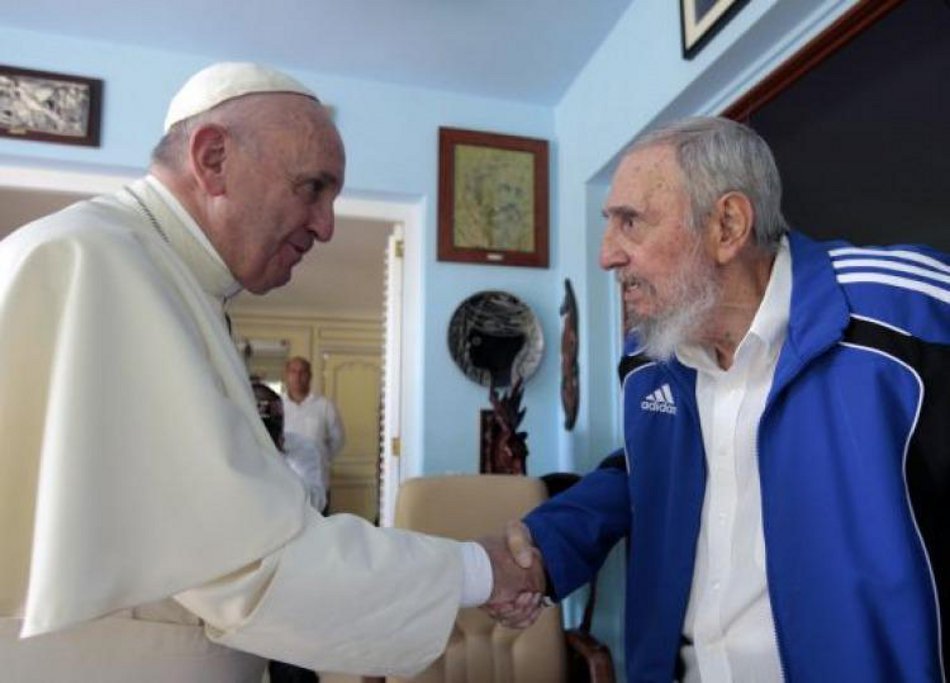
(314, 419)
(299, 454)
(786, 473)
(154, 534)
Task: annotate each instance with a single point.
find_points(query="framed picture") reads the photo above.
(493, 198)
(50, 107)
(702, 19)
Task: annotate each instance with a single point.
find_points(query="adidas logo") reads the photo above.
(660, 401)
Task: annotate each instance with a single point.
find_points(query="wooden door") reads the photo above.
(352, 380)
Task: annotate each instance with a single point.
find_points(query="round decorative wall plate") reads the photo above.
(494, 338)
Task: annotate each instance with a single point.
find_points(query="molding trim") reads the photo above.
(61, 180)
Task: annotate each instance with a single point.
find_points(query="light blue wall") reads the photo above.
(391, 136)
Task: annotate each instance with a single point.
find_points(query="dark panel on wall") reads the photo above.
(863, 140)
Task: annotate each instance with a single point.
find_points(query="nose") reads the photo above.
(322, 221)
(612, 254)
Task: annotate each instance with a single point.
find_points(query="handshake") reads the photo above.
(518, 589)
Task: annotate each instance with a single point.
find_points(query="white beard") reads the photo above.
(693, 294)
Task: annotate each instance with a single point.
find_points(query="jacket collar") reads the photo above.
(819, 312)
(817, 318)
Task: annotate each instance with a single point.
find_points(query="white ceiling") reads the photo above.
(524, 50)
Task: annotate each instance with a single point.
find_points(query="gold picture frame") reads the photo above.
(49, 107)
(702, 19)
(493, 198)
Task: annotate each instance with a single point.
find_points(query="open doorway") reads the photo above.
(331, 314)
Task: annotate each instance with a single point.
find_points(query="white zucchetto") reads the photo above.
(224, 81)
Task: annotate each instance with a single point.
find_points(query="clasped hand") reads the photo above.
(517, 568)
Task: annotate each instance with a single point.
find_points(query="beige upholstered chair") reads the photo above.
(465, 507)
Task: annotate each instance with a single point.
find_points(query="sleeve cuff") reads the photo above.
(477, 578)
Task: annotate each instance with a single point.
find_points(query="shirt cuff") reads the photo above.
(477, 578)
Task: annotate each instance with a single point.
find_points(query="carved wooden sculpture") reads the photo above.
(507, 447)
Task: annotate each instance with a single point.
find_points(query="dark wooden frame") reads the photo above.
(450, 139)
(847, 27)
(689, 23)
(89, 136)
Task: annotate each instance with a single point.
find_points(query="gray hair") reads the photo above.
(717, 156)
(170, 150)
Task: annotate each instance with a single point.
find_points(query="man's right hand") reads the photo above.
(519, 584)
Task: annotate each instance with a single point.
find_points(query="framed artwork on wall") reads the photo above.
(493, 198)
(702, 19)
(49, 107)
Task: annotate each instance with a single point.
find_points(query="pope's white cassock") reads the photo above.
(148, 529)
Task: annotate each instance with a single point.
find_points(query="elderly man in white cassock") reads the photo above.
(154, 534)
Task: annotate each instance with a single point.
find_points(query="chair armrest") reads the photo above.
(588, 658)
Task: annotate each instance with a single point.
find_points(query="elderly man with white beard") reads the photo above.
(787, 449)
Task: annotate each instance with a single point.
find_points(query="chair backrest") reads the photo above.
(465, 507)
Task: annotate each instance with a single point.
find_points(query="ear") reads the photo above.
(732, 226)
(207, 151)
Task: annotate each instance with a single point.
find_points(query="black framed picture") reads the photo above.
(702, 19)
(49, 107)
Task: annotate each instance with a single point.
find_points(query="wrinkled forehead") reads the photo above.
(653, 163)
(646, 173)
(296, 366)
(310, 144)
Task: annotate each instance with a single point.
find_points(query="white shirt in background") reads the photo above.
(317, 420)
(304, 459)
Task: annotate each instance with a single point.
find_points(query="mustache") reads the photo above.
(627, 279)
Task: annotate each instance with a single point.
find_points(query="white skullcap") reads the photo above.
(224, 81)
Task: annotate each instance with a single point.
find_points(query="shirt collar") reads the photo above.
(771, 320)
(769, 326)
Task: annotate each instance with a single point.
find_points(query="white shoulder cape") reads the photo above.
(132, 461)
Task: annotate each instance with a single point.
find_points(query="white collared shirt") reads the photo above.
(729, 629)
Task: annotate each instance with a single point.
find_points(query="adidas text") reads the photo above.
(658, 407)
(660, 401)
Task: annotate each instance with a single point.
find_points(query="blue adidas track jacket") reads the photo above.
(854, 462)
